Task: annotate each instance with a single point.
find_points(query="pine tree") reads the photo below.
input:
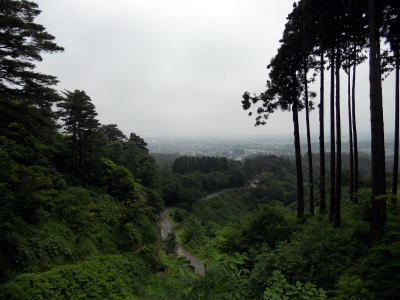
(22, 41)
(79, 116)
(378, 207)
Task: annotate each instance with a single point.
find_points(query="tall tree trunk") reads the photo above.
(322, 191)
(310, 163)
(333, 158)
(338, 187)
(75, 155)
(355, 143)
(378, 207)
(299, 170)
(350, 134)
(396, 128)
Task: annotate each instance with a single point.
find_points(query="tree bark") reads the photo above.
(333, 151)
(338, 180)
(350, 134)
(355, 143)
(396, 128)
(299, 170)
(310, 163)
(322, 191)
(378, 207)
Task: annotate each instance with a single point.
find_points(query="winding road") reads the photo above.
(167, 227)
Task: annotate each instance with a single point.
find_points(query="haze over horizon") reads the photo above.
(178, 68)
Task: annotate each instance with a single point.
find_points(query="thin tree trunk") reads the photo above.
(322, 191)
(310, 164)
(333, 151)
(75, 155)
(378, 207)
(350, 134)
(355, 143)
(396, 129)
(299, 170)
(338, 187)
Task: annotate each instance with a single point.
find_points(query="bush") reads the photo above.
(103, 277)
(170, 244)
(279, 288)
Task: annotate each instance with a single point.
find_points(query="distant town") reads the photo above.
(236, 148)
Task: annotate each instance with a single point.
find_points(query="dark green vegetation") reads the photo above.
(335, 35)
(255, 248)
(79, 201)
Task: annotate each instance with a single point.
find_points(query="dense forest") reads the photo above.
(80, 202)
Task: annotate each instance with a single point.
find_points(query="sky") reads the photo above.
(178, 68)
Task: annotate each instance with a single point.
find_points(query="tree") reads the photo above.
(282, 91)
(21, 43)
(338, 180)
(378, 207)
(332, 129)
(170, 244)
(111, 133)
(138, 141)
(303, 23)
(79, 116)
(392, 33)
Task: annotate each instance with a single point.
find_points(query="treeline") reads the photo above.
(335, 35)
(267, 163)
(255, 246)
(192, 177)
(78, 199)
(203, 164)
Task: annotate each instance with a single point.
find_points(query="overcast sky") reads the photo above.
(179, 67)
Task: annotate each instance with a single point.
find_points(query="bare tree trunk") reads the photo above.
(333, 151)
(355, 143)
(378, 207)
(350, 134)
(310, 164)
(322, 191)
(396, 129)
(338, 188)
(299, 170)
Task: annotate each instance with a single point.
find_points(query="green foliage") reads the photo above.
(22, 42)
(352, 287)
(60, 203)
(170, 244)
(186, 189)
(267, 226)
(225, 279)
(203, 164)
(280, 289)
(279, 166)
(133, 155)
(179, 215)
(119, 182)
(384, 259)
(193, 234)
(210, 214)
(276, 187)
(318, 253)
(225, 208)
(101, 277)
(79, 116)
(74, 224)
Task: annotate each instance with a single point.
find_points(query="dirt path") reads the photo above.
(167, 227)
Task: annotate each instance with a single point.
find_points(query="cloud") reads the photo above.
(172, 67)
